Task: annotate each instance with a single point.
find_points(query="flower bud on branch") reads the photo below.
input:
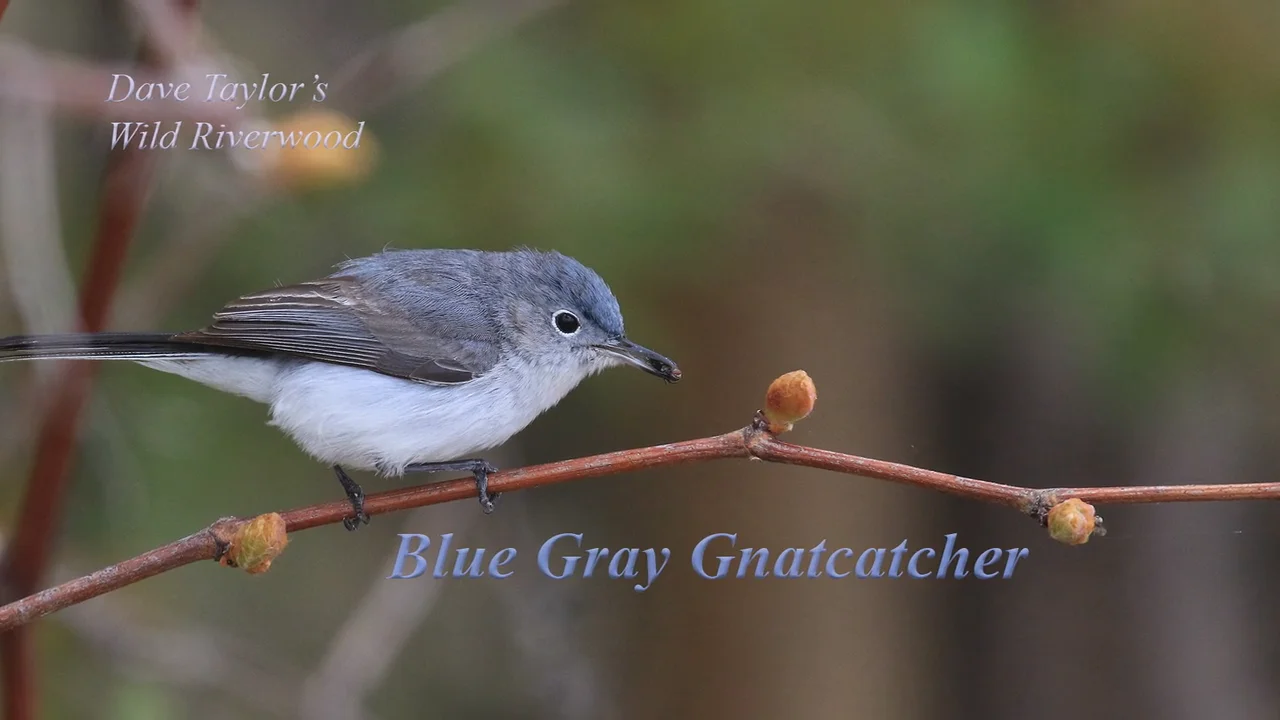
(255, 543)
(1073, 522)
(789, 399)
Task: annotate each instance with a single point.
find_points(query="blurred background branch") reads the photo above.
(404, 60)
(371, 639)
(125, 187)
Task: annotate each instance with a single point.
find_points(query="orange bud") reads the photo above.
(1072, 522)
(256, 543)
(790, 399)
(328, 149)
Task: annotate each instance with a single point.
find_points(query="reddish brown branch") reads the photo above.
(753, 442)
(200, 546)
(722, 446)
(1172, 493)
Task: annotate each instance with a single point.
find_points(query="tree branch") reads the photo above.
(227, 539)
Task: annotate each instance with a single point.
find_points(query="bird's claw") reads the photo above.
(488, 500)
(479, 468)
(354, 522)
(355, 494)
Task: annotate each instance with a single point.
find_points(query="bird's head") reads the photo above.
(567, 309)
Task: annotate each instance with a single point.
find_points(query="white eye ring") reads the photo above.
(562, 319)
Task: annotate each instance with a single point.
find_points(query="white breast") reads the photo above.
(365, 420)
(368, 421)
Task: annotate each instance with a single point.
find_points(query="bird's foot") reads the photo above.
(479, 468)
(355, 494)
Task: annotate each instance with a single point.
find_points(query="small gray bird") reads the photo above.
(400, 362)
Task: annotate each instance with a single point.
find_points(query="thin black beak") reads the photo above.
(642, 357)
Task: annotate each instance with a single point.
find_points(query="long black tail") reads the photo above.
(97, 346)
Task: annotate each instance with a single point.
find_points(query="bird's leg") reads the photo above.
(356, 495)
(479, 468)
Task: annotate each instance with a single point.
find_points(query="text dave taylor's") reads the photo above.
(715, 557)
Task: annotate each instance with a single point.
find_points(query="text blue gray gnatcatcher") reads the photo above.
(399, 362)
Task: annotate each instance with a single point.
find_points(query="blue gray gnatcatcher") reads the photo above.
(398, 362)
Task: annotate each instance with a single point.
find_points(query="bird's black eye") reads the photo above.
(566, 322)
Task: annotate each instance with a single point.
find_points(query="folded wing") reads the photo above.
(330, 321)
